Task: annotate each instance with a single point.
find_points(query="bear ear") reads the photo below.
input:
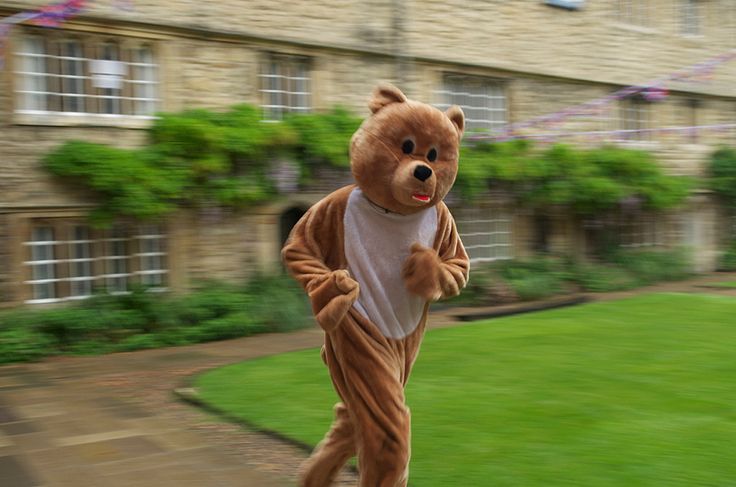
(383, 95)
(457, 117)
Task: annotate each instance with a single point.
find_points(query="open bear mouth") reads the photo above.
(423, 198)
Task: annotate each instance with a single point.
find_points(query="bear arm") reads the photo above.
(454, 262)
(331, 292)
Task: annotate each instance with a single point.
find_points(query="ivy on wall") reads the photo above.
(586, 181)
(207, 158)
(202, 158)
(723, 176)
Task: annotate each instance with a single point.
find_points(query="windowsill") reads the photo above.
(639, 29)
(66, 299)
(697, 38)
(639, 144)
(62, 119)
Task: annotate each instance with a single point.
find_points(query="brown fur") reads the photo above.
(369, 371)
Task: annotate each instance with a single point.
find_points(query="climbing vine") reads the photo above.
(208, 158)
(723, 176)
(587, 181)
(203, 158)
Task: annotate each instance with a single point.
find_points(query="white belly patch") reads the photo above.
(376, 245)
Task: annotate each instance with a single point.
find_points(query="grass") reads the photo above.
(637, 392)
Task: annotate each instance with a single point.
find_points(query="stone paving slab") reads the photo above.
(14, 473)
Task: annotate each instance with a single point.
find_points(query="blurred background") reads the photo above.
(155, 155)
(212, 188)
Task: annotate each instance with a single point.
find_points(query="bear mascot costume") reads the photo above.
(371, 257)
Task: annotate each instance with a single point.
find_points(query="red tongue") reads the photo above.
(421, 197)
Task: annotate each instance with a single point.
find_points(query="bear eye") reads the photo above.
(432, 155)
(407, 147)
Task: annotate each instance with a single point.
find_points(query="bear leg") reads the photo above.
(337, 447)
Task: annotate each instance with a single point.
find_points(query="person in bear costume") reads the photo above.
(371, 257)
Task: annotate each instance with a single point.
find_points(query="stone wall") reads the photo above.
(210, 55)
(525, 35)
(6, 284)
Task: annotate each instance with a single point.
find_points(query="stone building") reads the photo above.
(102, 75)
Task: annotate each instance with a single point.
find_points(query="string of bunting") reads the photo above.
(627, 133)
(52, 15)
(654, 90)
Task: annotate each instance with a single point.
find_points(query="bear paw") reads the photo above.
(332, 296)
(421, 272)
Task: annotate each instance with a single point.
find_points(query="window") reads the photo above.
(649, 230)
(115, 257)
(71, 75)
(285, 86)
(485, 232)
(483, 101)
(68, 260)
(635, 118)
(81, 262)
(690, 108)
(690, 17)
(151, 255)
(42, 263)
(636, 12)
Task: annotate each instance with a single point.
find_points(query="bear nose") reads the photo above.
(422, 173)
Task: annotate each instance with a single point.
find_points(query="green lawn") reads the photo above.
(638, 392)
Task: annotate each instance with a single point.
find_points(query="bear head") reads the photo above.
(404, 157)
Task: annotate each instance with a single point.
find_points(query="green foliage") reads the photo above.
(324, 138)
(651, 266)
(728, 259)
(201, 157)
(601, 278)
(281, 305)
(125, 182)
(723, 175)
(543, 277)
(23, 345)
(586, 181)
(145, 319)
(532, 279)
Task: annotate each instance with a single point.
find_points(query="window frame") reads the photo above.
(297, 96)
(56, 109)
(638, 105)
(101, 275)
(634, 12)
(499, 222)
(496, 89)
(690, 18)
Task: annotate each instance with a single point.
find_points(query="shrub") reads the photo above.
(209, 300)
(278, 303)
(144, 319)
(535, 278)
(722, 172)
(533, 287)
(23, 345)
(68, 325)
(230, 326)
(600, 278)
(139, 342)
(728, 259)
(650, 266)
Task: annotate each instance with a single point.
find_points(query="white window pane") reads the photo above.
(34, 80)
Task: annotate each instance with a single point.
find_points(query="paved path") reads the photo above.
(112, 421)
